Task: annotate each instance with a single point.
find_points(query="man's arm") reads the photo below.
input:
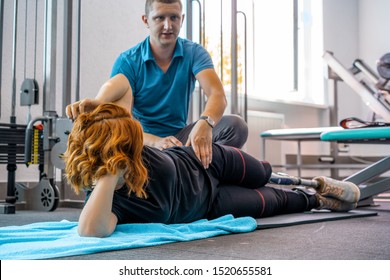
(201, 135)
(161, 143)
(116, 90)
(213, 89)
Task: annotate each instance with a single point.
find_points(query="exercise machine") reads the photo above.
(43, 139)
(365, 82)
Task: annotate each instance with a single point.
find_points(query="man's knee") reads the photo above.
(237, 123)
(231, 130)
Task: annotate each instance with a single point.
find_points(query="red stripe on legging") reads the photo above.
(263, 200)
(243, 163)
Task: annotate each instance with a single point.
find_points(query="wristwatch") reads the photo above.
(208, 119)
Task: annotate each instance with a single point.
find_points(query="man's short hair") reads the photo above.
(149, 3)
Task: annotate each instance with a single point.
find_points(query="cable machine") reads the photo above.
(43, 139)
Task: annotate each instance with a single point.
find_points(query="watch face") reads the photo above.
(209, 120)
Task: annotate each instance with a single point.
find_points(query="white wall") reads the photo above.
(341, 34)
(374, 22)
(356, 29)
(108, 28)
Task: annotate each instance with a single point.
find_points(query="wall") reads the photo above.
(341, 34)
(108, 28)
(374, 21)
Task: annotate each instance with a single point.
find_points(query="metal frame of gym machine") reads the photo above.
(58, 128)
(46, 196)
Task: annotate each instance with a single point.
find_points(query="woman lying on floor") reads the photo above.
(127, 182)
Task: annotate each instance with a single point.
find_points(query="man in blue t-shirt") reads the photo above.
(155, 80)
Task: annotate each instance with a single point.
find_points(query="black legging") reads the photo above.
(243, 191)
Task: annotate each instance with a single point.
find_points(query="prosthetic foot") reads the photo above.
(341, 190)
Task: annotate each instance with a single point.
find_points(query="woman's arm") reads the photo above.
(96, 218)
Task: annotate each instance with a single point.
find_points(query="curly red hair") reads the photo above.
(105, 141)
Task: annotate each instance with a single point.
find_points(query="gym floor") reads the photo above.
(366, 238)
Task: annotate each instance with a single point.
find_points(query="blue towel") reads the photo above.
(47, 240)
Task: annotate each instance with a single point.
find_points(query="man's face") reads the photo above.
(164, 22)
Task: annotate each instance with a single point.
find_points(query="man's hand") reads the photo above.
(167, 142)
(86, 105)
(200, 139)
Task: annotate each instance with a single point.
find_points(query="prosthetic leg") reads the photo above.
(342, 190)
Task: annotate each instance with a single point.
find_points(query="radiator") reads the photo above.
(257, 123)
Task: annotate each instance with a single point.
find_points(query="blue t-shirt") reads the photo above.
(161, 100)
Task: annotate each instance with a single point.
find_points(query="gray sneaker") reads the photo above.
(334, 204)
(341, 190)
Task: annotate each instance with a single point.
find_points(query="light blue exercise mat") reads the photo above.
(47, 240)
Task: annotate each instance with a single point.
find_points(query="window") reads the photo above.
(279, 45)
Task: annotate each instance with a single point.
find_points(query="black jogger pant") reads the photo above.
(243, 189)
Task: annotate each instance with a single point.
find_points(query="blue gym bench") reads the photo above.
(364, 178)
(297, 135)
